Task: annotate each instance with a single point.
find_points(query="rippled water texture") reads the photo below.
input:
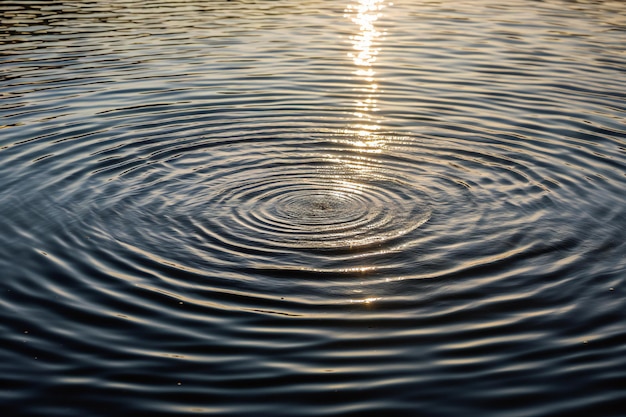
(325, 208)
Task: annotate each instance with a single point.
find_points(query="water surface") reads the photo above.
(317, 207)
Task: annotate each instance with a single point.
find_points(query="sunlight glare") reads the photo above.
(365, 45)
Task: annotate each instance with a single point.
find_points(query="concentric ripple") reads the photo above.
(319, 211)
(319, 208)
(303, 208)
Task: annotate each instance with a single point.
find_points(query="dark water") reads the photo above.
(323, 208)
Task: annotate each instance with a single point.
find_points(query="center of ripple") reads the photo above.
(285, 212)
(320, 208)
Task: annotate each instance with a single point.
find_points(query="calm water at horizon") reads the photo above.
(313, 208)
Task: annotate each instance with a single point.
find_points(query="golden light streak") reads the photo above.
(366, 47)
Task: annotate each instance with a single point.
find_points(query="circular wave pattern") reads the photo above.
(199, 214)
(320, 213)
(313, 205)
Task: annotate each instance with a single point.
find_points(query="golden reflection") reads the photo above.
(367, 300)
(364, 130)
(366, 46)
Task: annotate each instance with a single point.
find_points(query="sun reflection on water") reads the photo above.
(364, 130)
(368, 300)
(366, 47)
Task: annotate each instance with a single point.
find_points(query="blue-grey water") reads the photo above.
(313, 208)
